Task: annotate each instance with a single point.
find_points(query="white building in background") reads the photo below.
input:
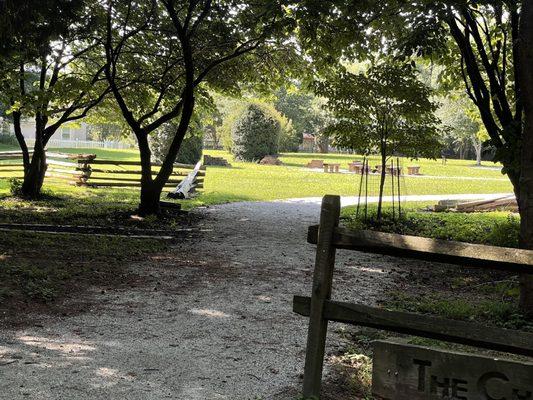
(70, 136)
(65, 133)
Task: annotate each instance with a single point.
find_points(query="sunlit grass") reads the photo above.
(254, 182)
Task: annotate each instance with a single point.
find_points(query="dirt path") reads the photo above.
(213, 320)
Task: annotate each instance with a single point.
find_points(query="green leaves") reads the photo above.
(385, 107)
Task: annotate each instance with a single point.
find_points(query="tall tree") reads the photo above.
(384, 109)
(525, 58)
(47, 74)
(162, 53)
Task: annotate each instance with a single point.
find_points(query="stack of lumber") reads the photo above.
(507, 203)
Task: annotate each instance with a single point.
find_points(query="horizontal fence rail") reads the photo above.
(465, 333)
(450, 252)
(83, 144)
(87, 170)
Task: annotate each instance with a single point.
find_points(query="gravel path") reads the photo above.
(212, 320)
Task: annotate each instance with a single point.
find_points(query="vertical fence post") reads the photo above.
(322, 282)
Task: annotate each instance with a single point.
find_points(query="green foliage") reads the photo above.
(289, 138)
(191, 148)
(231, 109)
(255, 133)
(385, 108)
(297, 106)
(15, 186)
(8, 139)
(496, 229)
(501, 313)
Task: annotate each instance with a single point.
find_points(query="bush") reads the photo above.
(255, 133)
(8, 139)
(190, 151)
(15, 186)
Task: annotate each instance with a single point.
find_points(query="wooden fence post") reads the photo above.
(322, 282)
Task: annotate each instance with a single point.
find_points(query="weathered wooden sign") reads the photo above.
(406, 372)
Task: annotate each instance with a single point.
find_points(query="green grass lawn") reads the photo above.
(250, 181)
(247, 181)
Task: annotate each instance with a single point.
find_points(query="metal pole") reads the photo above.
(366, 191)
(360, 188)
(392, 193)
(399, 184)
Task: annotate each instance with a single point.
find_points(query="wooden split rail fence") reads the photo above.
(87, 170)
(392, 382)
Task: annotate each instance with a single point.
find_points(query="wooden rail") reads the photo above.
(77, 169)
(320, 308)
(435, 250)
(466, 333)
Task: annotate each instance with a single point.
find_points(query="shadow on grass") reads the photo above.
(85, 207)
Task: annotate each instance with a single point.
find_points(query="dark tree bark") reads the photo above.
(526, 165)
(35, 173)
(508, 123)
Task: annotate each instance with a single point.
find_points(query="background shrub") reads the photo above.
(191, 148)
(8, 139)
(255, 133)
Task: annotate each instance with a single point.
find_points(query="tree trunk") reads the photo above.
(526, 165)
(323, 144)
(17, 117)
(34, 173)
(479, 151)
(382, 181)
(150, 190)
(150, 199)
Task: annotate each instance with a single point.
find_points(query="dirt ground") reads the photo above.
(210, 320)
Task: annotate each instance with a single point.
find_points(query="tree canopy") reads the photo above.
(162, 56)
(385, 108)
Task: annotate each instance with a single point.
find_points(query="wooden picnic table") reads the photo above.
(315, 164)
(331, 167)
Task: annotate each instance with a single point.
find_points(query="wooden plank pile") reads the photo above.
(507, 203)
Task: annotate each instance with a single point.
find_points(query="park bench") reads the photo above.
(401, 371)
(394, 171)
(331, 168)
(355, 166)
(315, 164)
